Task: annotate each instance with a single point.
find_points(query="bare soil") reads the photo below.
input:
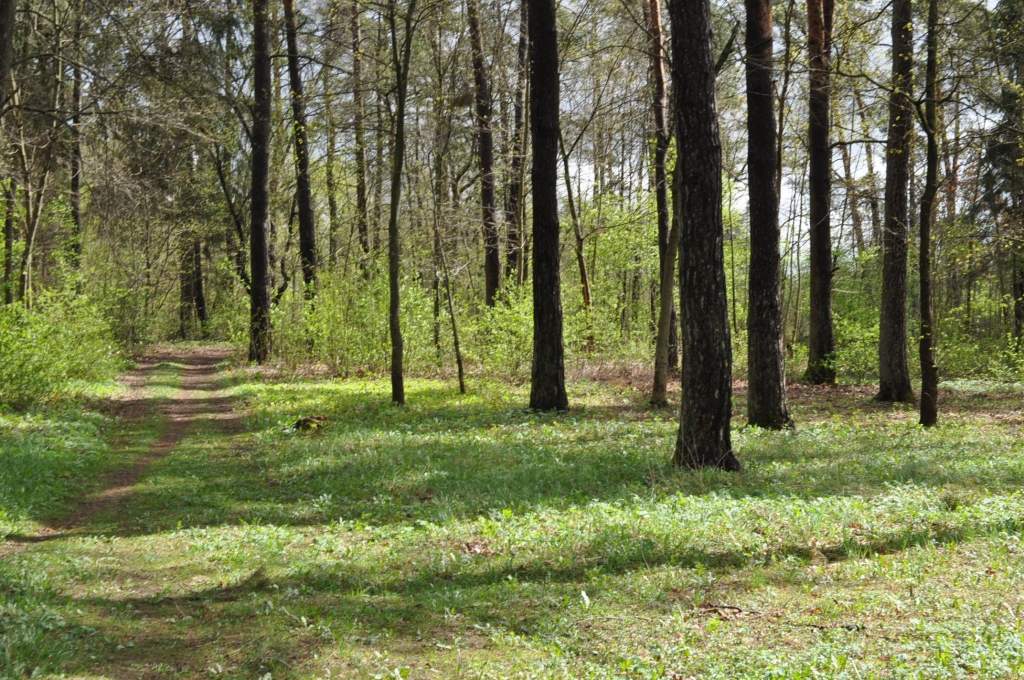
(197, 399)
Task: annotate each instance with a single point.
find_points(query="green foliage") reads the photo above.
(500, 338)
(346, 327)
(63, 338)
(856, 358)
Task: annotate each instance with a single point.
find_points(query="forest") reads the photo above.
(648, 339)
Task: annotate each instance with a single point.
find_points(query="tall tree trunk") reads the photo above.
(666, 307)
(547, 385)
(186, 290)
(401, 55)
(7, 16)
(766, 391)
(666, 353)
(198, 286)
(304, 192)
(10, 196)
(359, 130)
(783, 89)
(514, 193)
(929, 372)
(330, 183)
(485, 148)
(76, 140)
(820, 368)
(894, 373)
(704, 436)
(259, 197)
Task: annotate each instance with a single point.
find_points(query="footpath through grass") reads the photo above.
(464, 537)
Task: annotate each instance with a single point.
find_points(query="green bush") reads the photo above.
(500, 338)
(856, 358)
(44, 349)
(346, 328)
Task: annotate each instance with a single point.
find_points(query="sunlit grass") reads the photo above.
(462, 536)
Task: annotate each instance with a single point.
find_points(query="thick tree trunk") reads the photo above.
(666, 345)
(401, 54)
(704, 425)
(259, 265)
(514, 192)
(929, 372)
(485, 148)
(821, 341)
(547, 386)
(766, 391)
(7, 14)
(893, 370)
(303, 190)
(359, 131)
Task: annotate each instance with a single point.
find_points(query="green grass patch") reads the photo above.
(462, 536)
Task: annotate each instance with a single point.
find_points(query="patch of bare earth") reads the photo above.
(197, 399)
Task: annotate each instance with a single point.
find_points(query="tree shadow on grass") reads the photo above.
(455, 458)
(429, 602)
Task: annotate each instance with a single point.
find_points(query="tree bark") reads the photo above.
(485, 149)
(75, 198)
(303, 190)
(186, 291)
(929, 372)
(401, 55)
(547, 385)
(821, 341)
(766, 390)
(704, 424)
(330, 184)
(514, 196)
(666, 352)
(893, 369)
(359, 131)
(666, 309)
(7, 17)
(259, 265)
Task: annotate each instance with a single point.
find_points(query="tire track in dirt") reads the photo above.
(197, 399)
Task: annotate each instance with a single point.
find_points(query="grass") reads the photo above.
(464, 537)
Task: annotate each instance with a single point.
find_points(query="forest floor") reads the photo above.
(178, 526)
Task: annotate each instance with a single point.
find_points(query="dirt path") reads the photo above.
(198, 398)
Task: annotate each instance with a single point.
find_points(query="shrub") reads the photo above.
(346, 327)
(42, 350)
(856, 357)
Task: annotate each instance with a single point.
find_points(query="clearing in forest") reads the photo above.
(462, 536)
